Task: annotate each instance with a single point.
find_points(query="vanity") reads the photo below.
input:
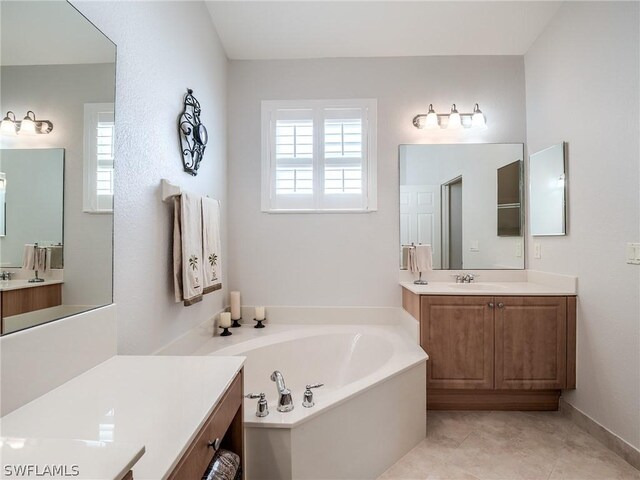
(495, 345)
(18, 297)
(133, 417)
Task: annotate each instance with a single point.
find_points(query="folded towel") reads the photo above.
(211, 247)
(191, 236)
(29, 257)
(423, 258)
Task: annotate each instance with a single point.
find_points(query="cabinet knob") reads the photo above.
(215, 444)
(491, 305)
(500, 305)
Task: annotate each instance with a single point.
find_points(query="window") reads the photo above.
(319, 155)
(98, 157)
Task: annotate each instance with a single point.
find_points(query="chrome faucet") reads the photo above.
(5, 275)
(285, 402)
(467, 278)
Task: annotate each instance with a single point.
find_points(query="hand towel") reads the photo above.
(211, 247)
(29, 257)
(411, 260)
(423, 258)
(177, 249)
(192, 262)
(40, 259)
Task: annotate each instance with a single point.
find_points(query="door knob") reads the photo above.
(500, 305)
(491, 305)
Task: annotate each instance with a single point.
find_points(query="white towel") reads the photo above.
(191, 241)
(40, 259)
(29, 257)
(423, 258)
(211, 247)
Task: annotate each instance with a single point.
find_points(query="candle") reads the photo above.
(225, 320)
(235, 306)
(259, 313)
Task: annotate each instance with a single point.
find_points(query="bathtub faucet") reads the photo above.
(285, 402)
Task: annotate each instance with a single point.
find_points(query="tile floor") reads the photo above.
(508, 446)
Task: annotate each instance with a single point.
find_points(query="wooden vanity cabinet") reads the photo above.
(223, 429)
(486, 352)
(458, 334)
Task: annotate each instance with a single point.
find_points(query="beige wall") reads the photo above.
(582, 87)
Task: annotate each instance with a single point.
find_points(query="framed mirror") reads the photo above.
(57, 144)
(466, 201)
(548, 191)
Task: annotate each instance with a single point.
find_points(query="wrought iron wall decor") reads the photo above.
(193, 134)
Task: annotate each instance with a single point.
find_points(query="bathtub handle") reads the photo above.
(308, 395)
(262, 408)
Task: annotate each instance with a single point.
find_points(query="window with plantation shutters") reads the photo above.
(319, 155)
(99, 128)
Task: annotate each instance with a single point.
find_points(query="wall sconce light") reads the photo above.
(28, 126)
(455, 120)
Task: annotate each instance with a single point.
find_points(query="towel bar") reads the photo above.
(169, 190)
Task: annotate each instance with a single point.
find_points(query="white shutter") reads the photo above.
(99, 128)
(318, 155)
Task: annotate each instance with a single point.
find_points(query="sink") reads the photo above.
(478, 286)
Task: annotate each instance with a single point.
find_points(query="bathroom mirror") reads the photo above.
(56, 179)
(547, 191)
(466, 201)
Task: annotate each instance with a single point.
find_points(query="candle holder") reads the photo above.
(259, 324)
(236, 323)
(225, 332)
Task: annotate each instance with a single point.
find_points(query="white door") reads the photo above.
(420, 218)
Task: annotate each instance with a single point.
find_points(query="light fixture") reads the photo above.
(455, 119)
(8, 125)
(28, 126)
(478, 120)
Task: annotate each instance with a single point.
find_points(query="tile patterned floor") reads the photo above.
(508, 446)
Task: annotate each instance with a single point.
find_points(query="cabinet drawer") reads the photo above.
(199, 454)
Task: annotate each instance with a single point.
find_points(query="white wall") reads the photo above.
(163, 48)
(349, 259)
(582, 87)
(58, 93)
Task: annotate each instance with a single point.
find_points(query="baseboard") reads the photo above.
(452, 399)
(600, 433)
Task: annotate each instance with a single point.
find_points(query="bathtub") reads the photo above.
(369, 413)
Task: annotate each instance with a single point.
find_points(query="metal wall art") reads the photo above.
(193, 134)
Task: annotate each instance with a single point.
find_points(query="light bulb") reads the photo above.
(44, 127)
(432, 118)
(8, 125)
(478, 121)
(28, 125)
(455, 121)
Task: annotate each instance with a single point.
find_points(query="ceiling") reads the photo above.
(326, 29)
(49, 33)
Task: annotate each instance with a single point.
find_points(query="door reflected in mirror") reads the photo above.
(466, 201)
(547, 191)
(56, 185)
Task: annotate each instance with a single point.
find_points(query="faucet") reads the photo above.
(467, 278)
(285, 402)
(5, 275)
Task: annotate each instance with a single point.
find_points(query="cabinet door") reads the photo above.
(531, 342)
(457, 334)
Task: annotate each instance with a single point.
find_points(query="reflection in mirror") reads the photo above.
(547, 191)
(464, 200)
(59, 178)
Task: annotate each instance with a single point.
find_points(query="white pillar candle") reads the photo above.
(225, 320)
(259, 313)
(235, 306)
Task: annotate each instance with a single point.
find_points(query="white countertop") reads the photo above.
(6, 285)
(90, 459)
(490, 289)
(154, 402)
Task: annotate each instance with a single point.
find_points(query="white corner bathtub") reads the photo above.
(369, 413)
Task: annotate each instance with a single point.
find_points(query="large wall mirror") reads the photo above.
(57, 95)
(466, 201)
